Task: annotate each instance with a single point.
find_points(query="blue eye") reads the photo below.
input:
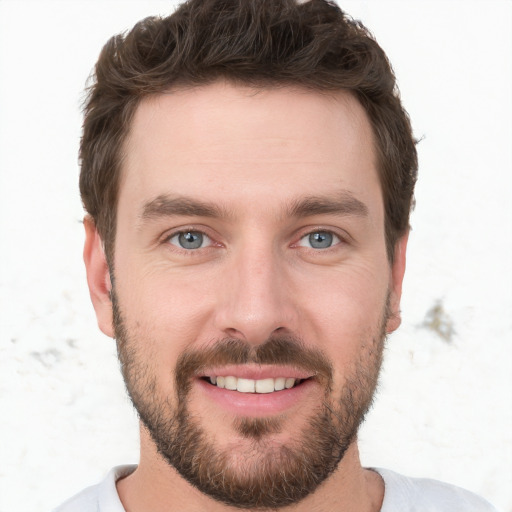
(319, 240)
(190, 240)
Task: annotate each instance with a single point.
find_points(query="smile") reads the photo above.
(257, 391)
(243, 385)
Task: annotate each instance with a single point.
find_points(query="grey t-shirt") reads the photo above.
(402, 494)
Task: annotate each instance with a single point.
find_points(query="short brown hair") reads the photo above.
(261, 43)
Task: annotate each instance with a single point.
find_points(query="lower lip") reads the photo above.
(257, 404)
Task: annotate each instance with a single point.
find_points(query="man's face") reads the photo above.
(250, 254)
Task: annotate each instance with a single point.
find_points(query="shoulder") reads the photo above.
(101, 497)
(426, 495)
(86, 500)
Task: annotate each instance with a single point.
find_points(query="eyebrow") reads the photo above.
(342, 204)
(168, 206)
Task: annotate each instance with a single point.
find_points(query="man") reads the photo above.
(248, 172)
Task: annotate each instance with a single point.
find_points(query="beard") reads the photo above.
(263, 474)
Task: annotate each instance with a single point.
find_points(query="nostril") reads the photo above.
(234, 333)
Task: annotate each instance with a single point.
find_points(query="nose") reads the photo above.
(257, 297)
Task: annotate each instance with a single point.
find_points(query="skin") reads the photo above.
(252, 154)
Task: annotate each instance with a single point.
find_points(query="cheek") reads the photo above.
(344, 314)
(337, 309)
(162, 312)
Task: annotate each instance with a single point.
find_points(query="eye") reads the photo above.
(190, 240)
(319, 240)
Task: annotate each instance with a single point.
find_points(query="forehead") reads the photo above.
(237, 144)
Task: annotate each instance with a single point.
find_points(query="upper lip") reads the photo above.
(257, 372)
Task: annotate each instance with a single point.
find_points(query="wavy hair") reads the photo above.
(260, 43)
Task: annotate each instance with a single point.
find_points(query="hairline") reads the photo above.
(258, 86)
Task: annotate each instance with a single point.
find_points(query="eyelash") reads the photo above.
(168, 239)
(338, 239)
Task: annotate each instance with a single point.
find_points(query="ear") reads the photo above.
(98, 277)
(395, 285)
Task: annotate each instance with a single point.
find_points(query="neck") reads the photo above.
(157, 487)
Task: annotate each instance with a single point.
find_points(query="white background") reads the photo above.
(444, 409)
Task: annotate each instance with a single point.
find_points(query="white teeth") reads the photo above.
(253, 386)
(279, 383)
(230, 383)
(289, 383)
(245, 385)
(265, 385)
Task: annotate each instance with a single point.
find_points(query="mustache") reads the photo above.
(286, 350)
